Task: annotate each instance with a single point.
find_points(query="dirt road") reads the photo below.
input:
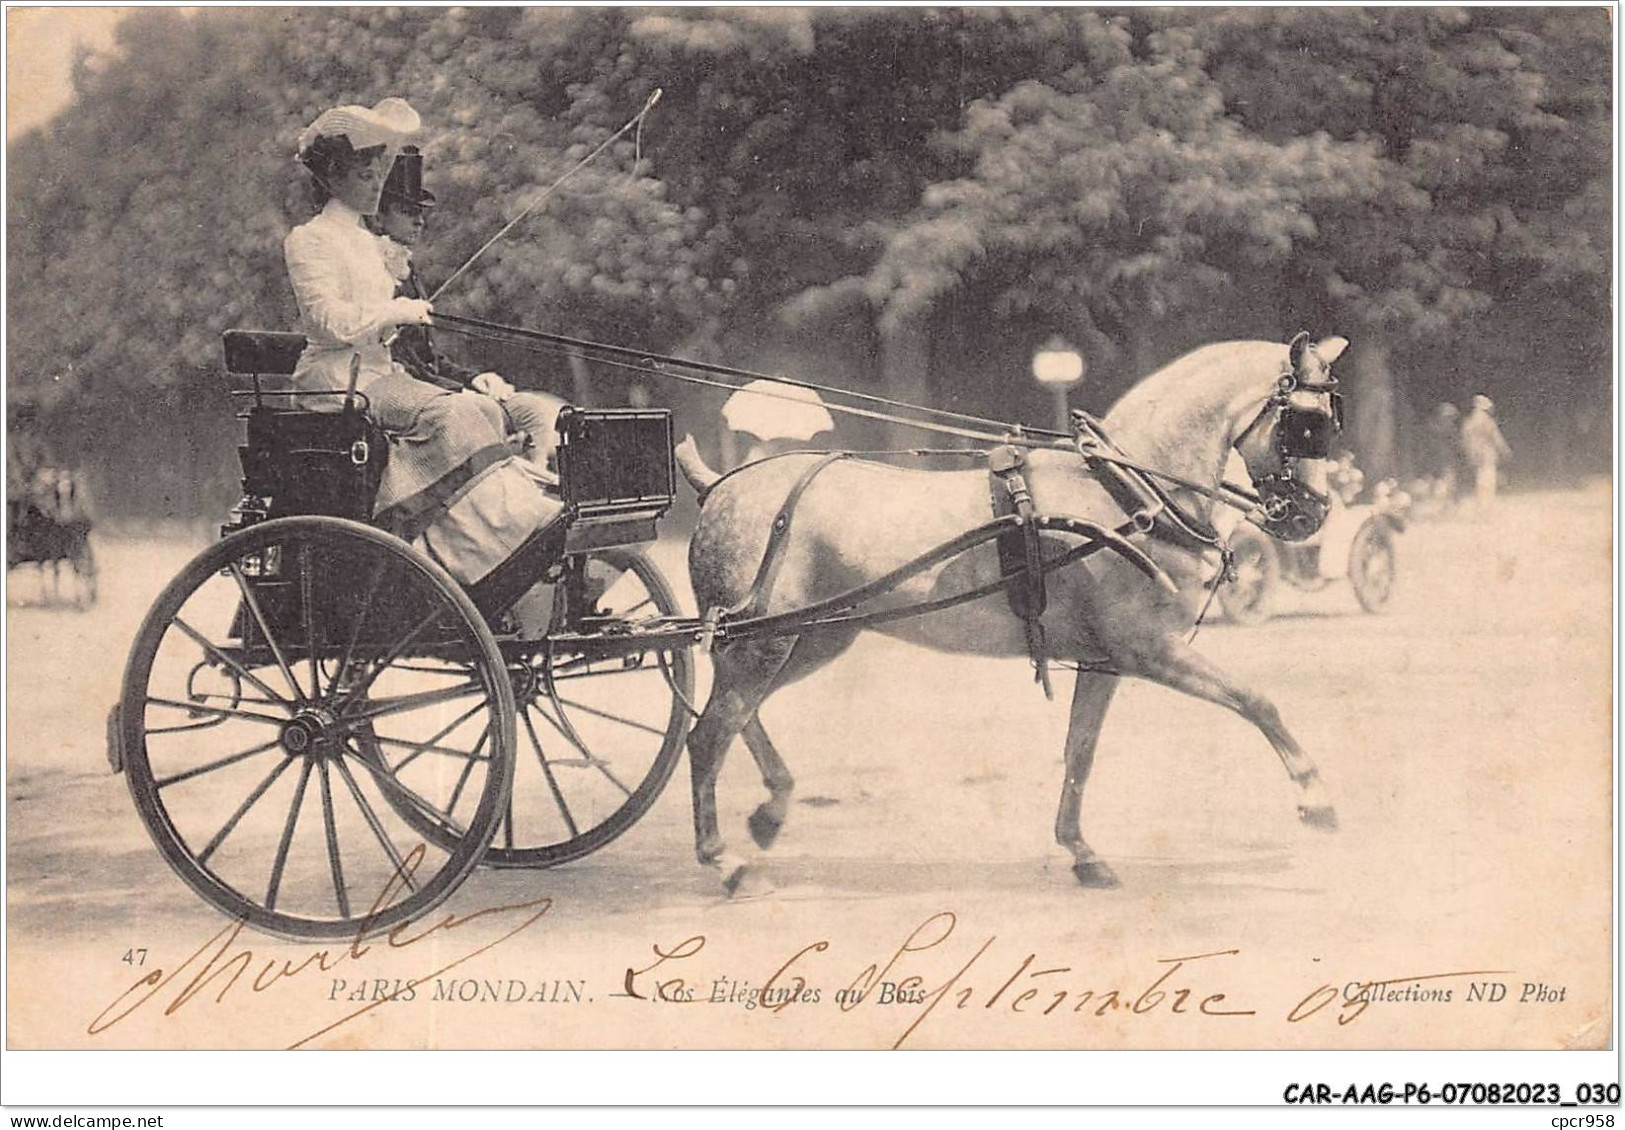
(1465, 736)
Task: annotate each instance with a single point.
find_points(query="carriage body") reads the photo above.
(309, 662)
(302, 458)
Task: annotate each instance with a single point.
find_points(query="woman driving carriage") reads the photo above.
(451, 486)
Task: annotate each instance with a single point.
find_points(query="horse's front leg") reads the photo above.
(1090, 698)
(1178, 666)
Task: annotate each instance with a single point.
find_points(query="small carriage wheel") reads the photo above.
(317, 630)
(1372, 566)
(1248, 599)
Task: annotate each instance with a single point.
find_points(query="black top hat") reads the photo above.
(405, 180)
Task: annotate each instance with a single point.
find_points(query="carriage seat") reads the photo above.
(262, 352)
(298, 460)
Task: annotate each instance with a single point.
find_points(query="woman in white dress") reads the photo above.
(452, 486)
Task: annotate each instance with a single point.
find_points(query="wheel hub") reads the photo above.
(313, 732)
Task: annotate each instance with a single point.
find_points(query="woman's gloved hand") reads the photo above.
(493, 386)
(410, 312)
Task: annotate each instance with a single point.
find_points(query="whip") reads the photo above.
(636, 120)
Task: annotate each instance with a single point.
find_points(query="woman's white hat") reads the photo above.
(771, 410)
(392, 123)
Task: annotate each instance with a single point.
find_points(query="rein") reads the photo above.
(663, 365)
(1020, 435)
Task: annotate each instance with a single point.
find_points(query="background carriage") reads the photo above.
(48, 524)
(1358, 545)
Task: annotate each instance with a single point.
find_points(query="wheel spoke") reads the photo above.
(339, 890)
(306, 600)
(360, 619)
(562, 725)
(642, 604)
(220, 711)
(390, 784)
(287, 836)
(462, 780)
(265, 630)
(165, 782)
(552, 783)
(395, 653)
(379, 708)
(371, 818)
(606, 715)
(242, 810)
(420, 748)
(237, 668)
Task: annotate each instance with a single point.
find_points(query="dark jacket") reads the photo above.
(414, 349)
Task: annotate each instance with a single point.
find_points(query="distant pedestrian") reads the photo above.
(1484, 448)
(1443, 455)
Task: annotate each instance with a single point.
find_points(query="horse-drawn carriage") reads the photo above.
(324, 733)
(1358, 544)
(48, 525)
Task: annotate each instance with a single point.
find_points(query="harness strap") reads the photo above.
(836, 611)
(1226, 494)
(778, 536)
(1020, 555)
(1143, 498)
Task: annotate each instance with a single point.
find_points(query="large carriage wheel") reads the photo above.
(248, 688)
(1249, 598)
(1371, 565)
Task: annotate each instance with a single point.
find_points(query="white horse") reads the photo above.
(857, 521)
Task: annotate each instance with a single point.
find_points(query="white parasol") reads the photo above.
(773, 410)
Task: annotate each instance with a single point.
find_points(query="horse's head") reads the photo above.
(1296, 423)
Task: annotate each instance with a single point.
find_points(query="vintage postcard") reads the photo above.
(783, 529)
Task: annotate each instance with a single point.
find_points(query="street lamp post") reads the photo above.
(1057, 367)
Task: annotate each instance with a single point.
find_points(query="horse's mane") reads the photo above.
(1196, 392)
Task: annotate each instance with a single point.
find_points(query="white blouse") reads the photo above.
(347, 301)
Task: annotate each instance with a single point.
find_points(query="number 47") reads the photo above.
(134, 957)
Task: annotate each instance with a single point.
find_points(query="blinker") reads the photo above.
(1306, 433)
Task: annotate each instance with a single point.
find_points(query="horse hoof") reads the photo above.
(764, 827)
(745, 883)
(1097, 875)
(1322, 817)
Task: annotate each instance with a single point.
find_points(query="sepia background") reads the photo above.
(907, 203)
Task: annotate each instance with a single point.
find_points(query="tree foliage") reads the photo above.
(1133, 179)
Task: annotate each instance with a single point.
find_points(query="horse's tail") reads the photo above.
(694, 468)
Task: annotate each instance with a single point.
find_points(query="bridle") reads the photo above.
(1294, 510)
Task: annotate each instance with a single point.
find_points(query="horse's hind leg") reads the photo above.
(769, 816)
(811, 652)
(745, 672)
(1183, 669)
(1090, 698)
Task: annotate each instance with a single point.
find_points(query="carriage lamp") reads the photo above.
(1057, 366)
